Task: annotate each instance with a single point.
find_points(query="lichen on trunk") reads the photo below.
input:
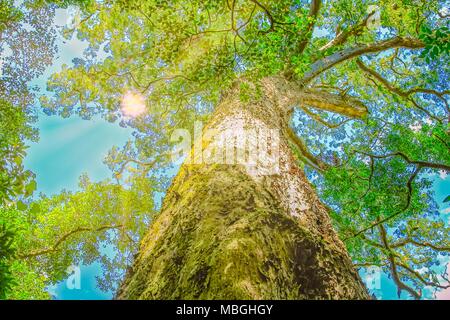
(245, 230)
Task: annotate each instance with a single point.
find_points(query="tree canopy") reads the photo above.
(370, 117)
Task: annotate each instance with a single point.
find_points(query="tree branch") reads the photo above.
(303, 149)
(141, 163)
(393, 266)
(268, 14)
(342, 36)
(64, 238)
(319, 119)
(406, 241)
(421, 279)
(292, 93)
(419, 166)
(369, 264)
(341, 104)
(327, 62)
(423, 164)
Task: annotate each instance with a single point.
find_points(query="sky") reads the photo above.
(69, 147)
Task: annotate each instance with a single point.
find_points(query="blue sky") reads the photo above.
(69, 147)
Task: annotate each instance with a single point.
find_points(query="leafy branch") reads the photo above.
(65, 237)
(419, 166)
(405, 94)
(327, 62)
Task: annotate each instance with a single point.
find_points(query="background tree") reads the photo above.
(6, 253)
(24, 54)
(379, 94)
(27, 47)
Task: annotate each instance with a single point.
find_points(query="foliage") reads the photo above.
(26, 48)
(24, 52)
(6, 253)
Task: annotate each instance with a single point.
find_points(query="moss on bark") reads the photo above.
(222, 236)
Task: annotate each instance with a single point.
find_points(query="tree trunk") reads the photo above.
(241, 224)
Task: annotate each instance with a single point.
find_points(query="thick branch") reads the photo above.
(404, 94)
(406, 241)
(342, 36)
(323, 100)
(290, 93)
(327, 62)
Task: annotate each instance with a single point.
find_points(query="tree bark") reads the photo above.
(244, 227)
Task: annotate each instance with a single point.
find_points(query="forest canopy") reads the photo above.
(369, 122)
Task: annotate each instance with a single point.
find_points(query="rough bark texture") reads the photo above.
(255, 230)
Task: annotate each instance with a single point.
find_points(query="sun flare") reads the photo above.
(133, 104)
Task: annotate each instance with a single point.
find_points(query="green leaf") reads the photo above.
(35, 208)
(21, 205)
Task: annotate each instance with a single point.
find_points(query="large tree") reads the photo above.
(352, 94)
